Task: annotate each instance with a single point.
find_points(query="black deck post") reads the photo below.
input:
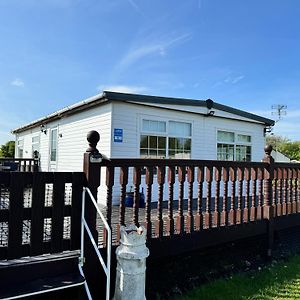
(268, 211)
(92, 169)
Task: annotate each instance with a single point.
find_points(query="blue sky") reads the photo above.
(244, 54)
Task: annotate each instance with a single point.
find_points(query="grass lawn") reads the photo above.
(277, 281)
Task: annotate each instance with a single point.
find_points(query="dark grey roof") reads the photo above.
(108, 96)
(184, 101)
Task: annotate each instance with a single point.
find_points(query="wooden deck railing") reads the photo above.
(227, 193)
(39, 213)
(210, 194)
(19, 164)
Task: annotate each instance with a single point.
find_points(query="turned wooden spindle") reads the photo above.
(225, 212)
(190, 217)
(232, 215)
(207, 216)
(136, 195)
(246, 213)
(149, 182)
(216, 217)
(161, 170)
(199, 217)
(171, 181)
(180, 217)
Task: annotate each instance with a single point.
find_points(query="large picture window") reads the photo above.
(233, 146)
(162, 139)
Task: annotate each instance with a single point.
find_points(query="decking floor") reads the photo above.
(141, 217)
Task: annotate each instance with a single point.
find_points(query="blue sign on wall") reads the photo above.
(118, 135)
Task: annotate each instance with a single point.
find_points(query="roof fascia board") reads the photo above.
(181, 101)
(67, 111)
(196, 113)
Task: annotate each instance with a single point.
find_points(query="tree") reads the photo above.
(287, 147)
(8, 149)
(291, 150)
(276, 141)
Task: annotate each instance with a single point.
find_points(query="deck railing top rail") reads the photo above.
(140, 162)
(20, 164)
(287, 165)
(2, 159)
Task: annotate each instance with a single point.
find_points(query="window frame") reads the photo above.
(37, 143)
(165, 134)
(235, 143)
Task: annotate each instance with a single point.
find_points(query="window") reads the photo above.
(232, 146)
(53, 145)
(243, 153)
(20, 148)
(180, 139)
(225, 152)
(244, 138)
(35, 144)
(154, 126)
(180, 129)
(165, 139)
(153, 146)
(225, 136)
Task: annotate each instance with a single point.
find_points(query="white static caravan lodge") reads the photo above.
(133, 126)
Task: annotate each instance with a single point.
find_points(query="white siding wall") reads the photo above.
(26, 136)
(74, 129)
(201, 110)
(44, 151)
(72, 144)
(204, 136)
(128, 116)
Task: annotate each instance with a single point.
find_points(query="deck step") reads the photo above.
(43, 285)
(39, 274)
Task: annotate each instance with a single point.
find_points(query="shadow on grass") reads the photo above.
(280, 281)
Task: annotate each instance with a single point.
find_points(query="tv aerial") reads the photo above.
(279, 110)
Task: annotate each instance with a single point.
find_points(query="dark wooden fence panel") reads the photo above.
(20, 164)
(18, 182)
(40, 212)
(37, 220)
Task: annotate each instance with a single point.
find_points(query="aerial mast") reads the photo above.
(279, 110)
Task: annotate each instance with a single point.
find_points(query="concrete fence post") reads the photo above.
(131, 264)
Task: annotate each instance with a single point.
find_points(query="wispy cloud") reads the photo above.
(18, 82)
(136, 7)
(230, 77)
(155, 47)
(234, 79)
(122, 88)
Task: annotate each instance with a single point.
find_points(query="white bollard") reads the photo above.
(131, 264)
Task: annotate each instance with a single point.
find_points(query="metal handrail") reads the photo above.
(85, 226)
